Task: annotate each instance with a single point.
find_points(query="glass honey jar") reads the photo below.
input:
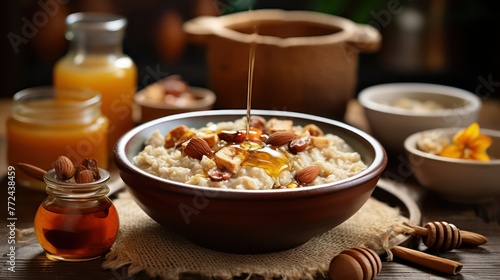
(77, 221)
(95, 60)
(45, 122)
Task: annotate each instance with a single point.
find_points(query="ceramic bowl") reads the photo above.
(204, 99)
(249, 221)
(391, 125)
(459, 180)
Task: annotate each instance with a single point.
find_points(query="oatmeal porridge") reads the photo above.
(275, 154)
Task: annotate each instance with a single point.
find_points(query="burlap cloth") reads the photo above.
(144, 245)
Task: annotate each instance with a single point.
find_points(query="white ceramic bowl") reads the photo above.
(150, 110)
(391, 125)
(459, 180)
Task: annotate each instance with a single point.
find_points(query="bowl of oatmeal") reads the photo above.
(455, 179)
(395, 111)
(291, 177)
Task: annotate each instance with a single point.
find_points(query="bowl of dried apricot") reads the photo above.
(460, 164)
(249, 185)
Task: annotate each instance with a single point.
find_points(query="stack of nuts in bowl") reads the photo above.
(86, 172)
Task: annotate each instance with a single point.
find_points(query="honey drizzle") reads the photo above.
(251, 66)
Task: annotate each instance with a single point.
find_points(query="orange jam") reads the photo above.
(45, 122)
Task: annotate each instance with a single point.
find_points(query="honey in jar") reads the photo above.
(95, 61)
(45, 122)
(77, 221)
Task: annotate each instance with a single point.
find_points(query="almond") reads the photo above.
(64, 168)
(280, 138)
(197, 148)
(85, 176)
(79, 168)
(307, 174)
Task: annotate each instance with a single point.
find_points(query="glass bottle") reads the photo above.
(77, 221)
(95, 60)
(45, 122)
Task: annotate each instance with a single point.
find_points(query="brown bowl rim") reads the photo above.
(373, 170)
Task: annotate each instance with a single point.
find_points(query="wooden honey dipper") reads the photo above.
(355, 264)
(443, 236)
(364, 264)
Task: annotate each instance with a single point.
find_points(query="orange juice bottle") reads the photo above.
(96, 61)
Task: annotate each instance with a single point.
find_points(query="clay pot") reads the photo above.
(304, 61)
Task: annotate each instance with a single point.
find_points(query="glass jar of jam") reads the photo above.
(45, 122)
(95, 60)
(77, 221)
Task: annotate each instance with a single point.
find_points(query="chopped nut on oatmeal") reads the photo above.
(274, 125)
(230, 158)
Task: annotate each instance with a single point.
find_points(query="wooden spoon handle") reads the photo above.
(34, 172)
(433, 262)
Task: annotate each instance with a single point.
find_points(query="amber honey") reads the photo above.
(76, 234)
(76, 222)
(272, 161)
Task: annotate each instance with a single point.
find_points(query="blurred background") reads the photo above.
(454, 43)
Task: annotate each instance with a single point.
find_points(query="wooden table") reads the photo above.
(479, 263)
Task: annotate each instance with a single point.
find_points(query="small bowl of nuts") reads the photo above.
(461, 164)
(397, 110)
(171, 96)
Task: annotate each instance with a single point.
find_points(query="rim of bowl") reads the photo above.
(207, 98)
(372, 170)
(365, 98)
(410, 144)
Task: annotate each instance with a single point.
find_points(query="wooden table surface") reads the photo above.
(478, 263)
